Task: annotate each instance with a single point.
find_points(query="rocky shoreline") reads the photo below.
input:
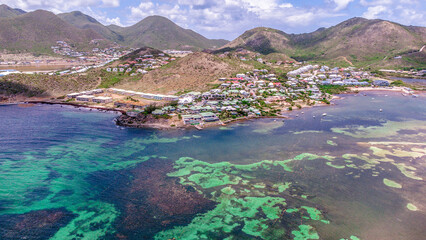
(153, 122)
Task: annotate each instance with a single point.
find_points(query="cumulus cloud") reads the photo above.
(229, 18)
(374, 12)
(111, 3)
(341, 4)
(115, 21)
(59, 5)
(376, 2)
(409, 12)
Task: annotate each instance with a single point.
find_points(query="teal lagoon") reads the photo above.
(357, 173)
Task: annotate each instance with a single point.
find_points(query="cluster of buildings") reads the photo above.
(92, 96)
(96, 55)
(314, 74)
(142, 64)
(412, 72)
(249, 94)
(255, 93)
(247, 55)
(5, 63)
(89, 96)
(7, 72)
(177, 52)
(64, 49)
(150, 96)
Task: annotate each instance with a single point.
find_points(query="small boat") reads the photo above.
(324, 114)
(381, 110)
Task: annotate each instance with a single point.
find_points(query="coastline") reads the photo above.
(362, 89)
(168, 125)
(74, 105)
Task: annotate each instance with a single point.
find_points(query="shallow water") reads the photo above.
(416, 81)
(356, 173)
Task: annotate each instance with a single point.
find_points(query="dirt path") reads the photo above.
(346, 60)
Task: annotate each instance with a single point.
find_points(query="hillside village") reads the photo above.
(142, 64)
(96, 54)
(257, 93)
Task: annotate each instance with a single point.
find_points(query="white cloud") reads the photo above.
(286, 5)
(408, 12)
(58, 6)
(366, 3)
(111, 3)
(229, 18)
(374, 12)
(115, 21)
(341, 4)
(412, 16)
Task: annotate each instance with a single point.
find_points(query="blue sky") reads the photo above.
(230, 18)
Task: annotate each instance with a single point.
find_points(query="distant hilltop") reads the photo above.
(37, 31)
(353, 41)
(356, 41)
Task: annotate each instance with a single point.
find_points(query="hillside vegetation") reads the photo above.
(38, 31)
(6, 11)
(83, 21)
(357, 41)
(161, 33)
(44, 85)
(194, 72)
(153, 31)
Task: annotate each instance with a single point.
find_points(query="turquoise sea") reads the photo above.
(356, 173)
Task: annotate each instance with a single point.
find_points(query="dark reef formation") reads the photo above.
(149, 200)
(34, 225)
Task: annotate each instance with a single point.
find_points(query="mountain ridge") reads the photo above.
(83, 21)
(37, 31)
(6, 11)
(356, 38)
(152, 31)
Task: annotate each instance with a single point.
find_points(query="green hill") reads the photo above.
(195, 72)
(154, 31)
(37, 31)
(357, 41)
(6, 11)
(161, 33)
(83, 21)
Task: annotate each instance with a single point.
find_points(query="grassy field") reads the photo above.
(45, 85)
(333, 89)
